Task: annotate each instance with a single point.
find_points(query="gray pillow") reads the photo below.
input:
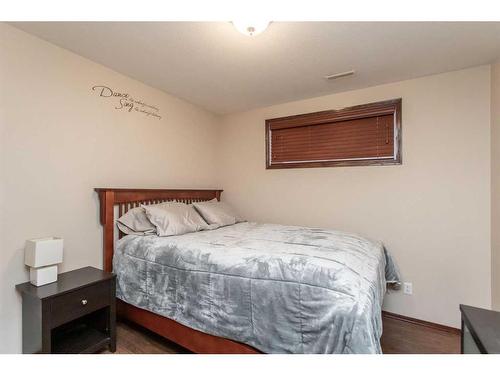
(136, 222)
(217, 213)
(171, 219)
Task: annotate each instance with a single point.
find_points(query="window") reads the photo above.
(367, 134)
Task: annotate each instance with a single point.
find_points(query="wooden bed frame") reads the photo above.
(126, 199)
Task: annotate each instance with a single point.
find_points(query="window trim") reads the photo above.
(386, 107)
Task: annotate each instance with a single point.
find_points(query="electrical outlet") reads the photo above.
(408, 288)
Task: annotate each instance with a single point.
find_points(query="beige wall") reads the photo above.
(58, 141)
(495, 185)
(432, 212)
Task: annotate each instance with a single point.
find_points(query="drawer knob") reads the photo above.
(84, 302)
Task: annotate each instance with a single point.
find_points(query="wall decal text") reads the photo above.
(124, 101)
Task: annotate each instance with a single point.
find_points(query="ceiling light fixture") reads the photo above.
(339, 75)
(250, 27)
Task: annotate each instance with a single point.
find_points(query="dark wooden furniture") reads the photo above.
(126, 199)
(480, 331)
(75, 314)
(368, 134)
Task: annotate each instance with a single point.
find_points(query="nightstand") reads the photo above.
(480, 331)
(75, 314)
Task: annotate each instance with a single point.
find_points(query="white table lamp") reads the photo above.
(43, 255)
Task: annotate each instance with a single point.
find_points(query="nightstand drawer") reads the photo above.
(80, 302)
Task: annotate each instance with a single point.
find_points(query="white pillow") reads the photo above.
(135, 222)
(171, 219)
(217, 213)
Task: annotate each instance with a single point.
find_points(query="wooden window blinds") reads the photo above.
(368, 134)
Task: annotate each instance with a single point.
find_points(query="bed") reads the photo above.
(248, 287)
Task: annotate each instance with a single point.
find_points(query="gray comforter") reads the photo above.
(280, 289)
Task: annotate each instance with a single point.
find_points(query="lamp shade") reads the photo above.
(42, 252)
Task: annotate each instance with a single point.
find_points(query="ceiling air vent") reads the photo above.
(340, 75)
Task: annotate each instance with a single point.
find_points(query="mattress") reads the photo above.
(280, 289)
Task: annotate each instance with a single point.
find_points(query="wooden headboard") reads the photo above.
(127, 199)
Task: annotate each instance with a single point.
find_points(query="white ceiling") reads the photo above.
(214, 66)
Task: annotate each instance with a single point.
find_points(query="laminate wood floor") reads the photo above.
(399, 337)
